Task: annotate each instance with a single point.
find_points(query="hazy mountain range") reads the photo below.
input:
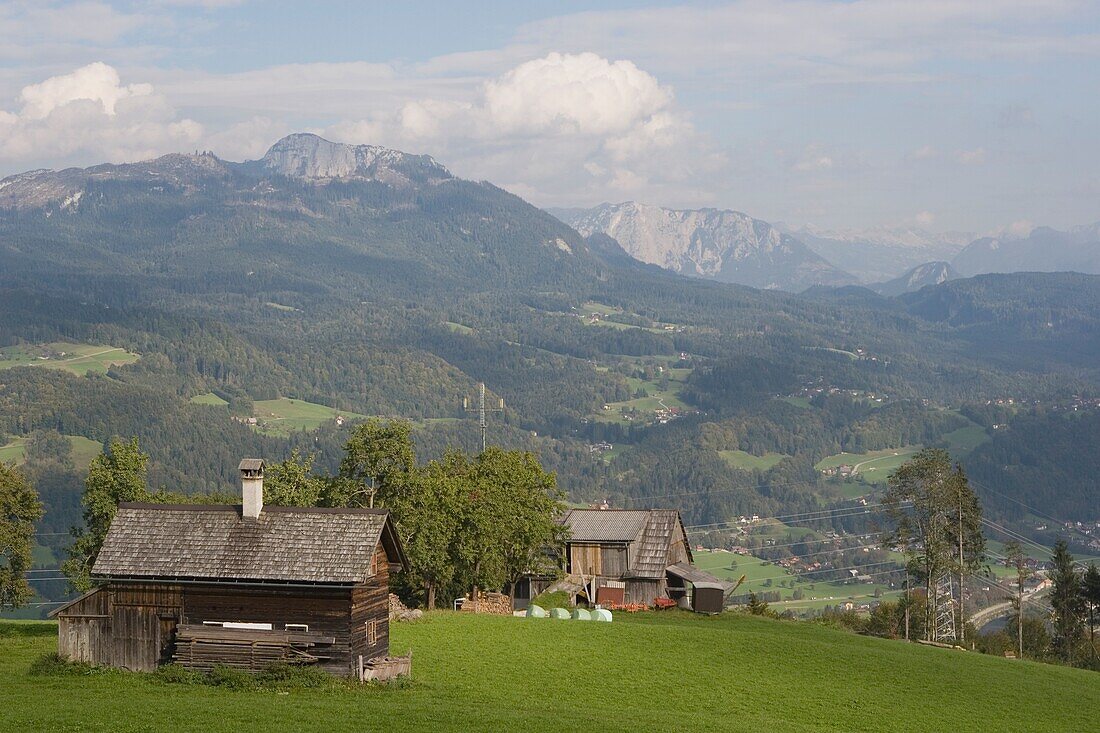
(726, 246)
(729, 246)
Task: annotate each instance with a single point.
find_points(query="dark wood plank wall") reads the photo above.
(324, 610)
(143, 621)
(370, 602)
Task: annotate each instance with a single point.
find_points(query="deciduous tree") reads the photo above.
(933, 512)
(19, 510)
(115, 476)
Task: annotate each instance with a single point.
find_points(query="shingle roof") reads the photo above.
(251, 464)
(285, 544)
(651, 557)
(605, 525)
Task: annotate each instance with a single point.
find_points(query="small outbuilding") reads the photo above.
(631, 556)
(241, 586)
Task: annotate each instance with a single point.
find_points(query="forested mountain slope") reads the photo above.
(372, 282)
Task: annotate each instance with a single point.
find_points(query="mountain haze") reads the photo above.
(880, 254)
(930, 273)
(721, 245)
(1042, 250)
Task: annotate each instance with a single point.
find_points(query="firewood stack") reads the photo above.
(400, 612)
(495, 603)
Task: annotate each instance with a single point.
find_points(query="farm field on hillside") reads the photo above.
(80, 359)
(284, 416)
(660, 394)
(763, 576)
(963, 441)
(874, 466)
(748, 462)
(84, 450)
(208, 398)
(657, 671)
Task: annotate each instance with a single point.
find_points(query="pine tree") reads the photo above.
(1067, 601)
(1091, 589)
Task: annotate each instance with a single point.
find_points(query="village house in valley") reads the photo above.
(241, 586)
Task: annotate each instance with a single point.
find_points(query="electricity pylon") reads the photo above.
(482, 412)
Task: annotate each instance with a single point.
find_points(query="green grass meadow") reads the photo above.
(873, 466)
(748, 462)
(84, 450)
(284, 416)
(80, 359)
(665, 671)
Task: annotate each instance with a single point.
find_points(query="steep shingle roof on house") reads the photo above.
(285, 544)
(605, 525)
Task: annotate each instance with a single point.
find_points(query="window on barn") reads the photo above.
(296, 627)
(372, 632)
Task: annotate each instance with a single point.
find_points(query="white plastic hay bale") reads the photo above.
(534, 611)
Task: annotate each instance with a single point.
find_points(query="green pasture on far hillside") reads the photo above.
(208, 398)
(741, 460)
(84, 450)
(80, 359)
(873, 466)
(284, 416)
(655, 671)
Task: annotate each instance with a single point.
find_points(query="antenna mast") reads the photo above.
(482, 412)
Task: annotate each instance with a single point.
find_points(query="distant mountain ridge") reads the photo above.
(882, 253)
(727, 246)
(1043, 250)
(930, 273)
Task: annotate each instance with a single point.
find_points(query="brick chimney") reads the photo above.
(252, 487)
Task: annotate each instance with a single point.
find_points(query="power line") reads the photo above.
(798, 517)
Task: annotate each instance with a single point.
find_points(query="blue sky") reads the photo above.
(939, 114)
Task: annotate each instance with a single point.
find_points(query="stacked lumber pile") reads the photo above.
(400, 612)
(205, 647)
(495, 603)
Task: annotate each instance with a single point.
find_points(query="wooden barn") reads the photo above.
(631, 555)
(242, 586)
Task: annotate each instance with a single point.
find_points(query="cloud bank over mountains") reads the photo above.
(954, 114)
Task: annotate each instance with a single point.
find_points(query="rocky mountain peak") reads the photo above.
(712, 243)
(304, 155)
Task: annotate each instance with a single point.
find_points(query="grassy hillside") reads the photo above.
(646, 672)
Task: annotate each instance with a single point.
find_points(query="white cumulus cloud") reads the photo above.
(560, 128)
(96, 82)
(89, 116)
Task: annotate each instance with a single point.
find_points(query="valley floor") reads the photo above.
(652, 671)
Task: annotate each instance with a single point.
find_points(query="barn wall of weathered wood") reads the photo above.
(323, 610)
(143, 622)
(585, 560)
(370, 612)
(644, 591)
(83, 630)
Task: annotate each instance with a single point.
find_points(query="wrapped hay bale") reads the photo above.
(534, 611)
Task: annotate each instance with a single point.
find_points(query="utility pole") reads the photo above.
(482, 412)
(962, 618)
(907, 602)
